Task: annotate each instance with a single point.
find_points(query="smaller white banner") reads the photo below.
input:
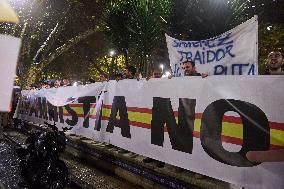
(232, 53)
(9, 50)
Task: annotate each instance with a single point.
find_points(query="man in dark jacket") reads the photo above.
(190, 69)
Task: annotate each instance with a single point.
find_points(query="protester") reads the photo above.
(57, 83)
(51, 83)
(66, 82)
(91, 80)
(103, 78)
(129, 72)
(16, 94)
(118, 76)
(45, 85)
(274, 63)
(190, 69)
(156, 73)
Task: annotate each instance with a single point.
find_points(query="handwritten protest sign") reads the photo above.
(232, 53)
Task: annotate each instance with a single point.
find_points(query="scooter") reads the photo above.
(39, 159)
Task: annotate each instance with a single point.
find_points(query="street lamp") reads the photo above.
(111, 52)
(167, 74)
(75, 84)
(162, 67)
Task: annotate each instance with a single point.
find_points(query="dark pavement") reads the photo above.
(9, 166)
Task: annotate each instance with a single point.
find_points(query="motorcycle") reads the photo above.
(40, 165)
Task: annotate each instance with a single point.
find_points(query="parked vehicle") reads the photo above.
(39, 159)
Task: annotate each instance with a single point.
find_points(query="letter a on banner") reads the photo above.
(119, 105)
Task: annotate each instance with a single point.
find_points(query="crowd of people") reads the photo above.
(274, 66)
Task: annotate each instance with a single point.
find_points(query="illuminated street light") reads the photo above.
(112, 53)
(167, 74)
(75, 84)
(162, 67)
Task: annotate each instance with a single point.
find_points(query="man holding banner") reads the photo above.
(190, 69)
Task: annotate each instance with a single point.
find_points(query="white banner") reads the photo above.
(232, 53)
(9, 50)
(190, 123)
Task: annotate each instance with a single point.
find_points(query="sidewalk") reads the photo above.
(9, 173)
(86, 157)
(82, 175)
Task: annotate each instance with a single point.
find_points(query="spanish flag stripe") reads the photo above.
(82, 115)
(232, 119)
(228, 129)
(232, 140)
(107, 106)
(140, 110)
(276, 137)
(196, 134)
(198, 115)
(81, 105)
(275, 147)
(277, 126)
(145, 111)
(139, 124)
(80, 110)
(232, 128)
(229, 119)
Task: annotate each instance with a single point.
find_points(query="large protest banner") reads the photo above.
(232, 53)
(203, 125)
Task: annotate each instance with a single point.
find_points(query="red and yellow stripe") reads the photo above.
(232, 128)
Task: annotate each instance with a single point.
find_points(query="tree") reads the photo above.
(56, 34)
(147, 25)
(49, 29)
(142, 23)
(117, 20)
